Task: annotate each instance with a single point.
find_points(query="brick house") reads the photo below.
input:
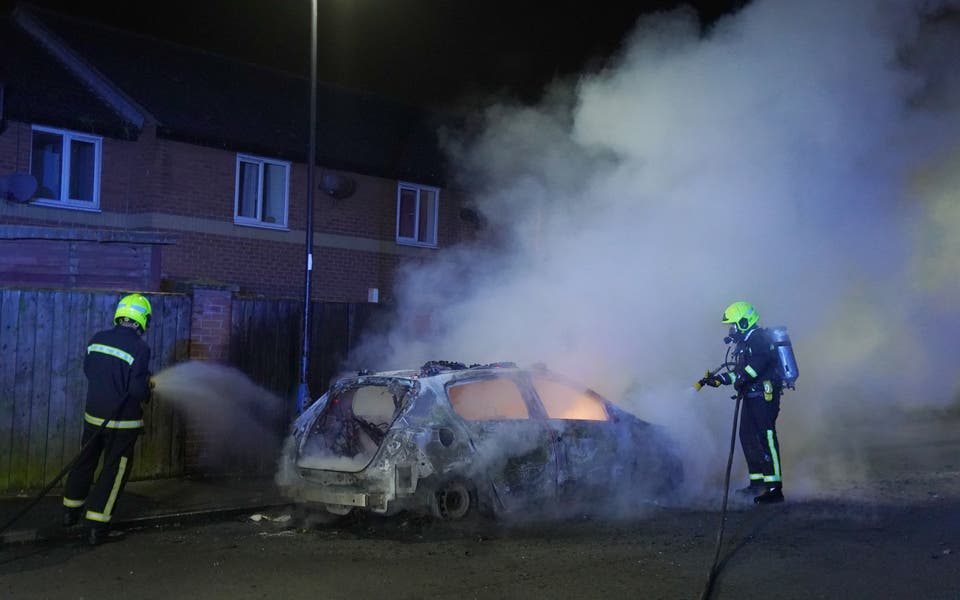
(160, 165)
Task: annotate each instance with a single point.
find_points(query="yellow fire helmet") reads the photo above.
(742, 314)
(136, 308)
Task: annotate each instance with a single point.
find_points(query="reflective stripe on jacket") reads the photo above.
(116, 366)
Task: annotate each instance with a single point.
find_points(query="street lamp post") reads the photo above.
(303, 392)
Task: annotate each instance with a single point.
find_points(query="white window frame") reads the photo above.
(67, 137)
(258, 220)
(414, 241)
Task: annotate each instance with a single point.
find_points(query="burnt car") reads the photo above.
(452, 441)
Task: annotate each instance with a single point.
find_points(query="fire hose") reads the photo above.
(53, 482)
(713, 571)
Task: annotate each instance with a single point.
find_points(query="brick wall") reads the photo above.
(277, 270)
(202, 184)
(123, 174)
(210, 324)
(15, 148)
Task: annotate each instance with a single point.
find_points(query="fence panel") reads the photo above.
(9, 322)
(23, 357)
(265, 341)
(56, 416)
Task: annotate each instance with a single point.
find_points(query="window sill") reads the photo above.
(65, 205)
(401, 242)
(260, 225)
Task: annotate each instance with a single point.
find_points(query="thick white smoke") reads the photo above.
(802, 156)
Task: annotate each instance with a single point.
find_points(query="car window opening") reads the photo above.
(562, 401)
(347, 434)
(488, 400)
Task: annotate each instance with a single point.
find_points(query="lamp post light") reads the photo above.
(303, 392)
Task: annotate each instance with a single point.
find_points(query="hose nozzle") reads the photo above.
(700, 383)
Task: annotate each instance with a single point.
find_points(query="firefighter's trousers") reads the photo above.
(758, 438)
(116, 447)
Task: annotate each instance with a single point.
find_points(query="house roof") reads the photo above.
(31, 77)
(212, 100)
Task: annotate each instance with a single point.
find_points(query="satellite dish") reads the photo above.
(18, 187)
(338, 186)
(473, 216)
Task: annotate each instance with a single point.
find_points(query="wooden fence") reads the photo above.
(265, 342)
(43, 338)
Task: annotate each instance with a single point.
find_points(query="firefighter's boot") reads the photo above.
(770, 495)
(71, 516)
(97, 535)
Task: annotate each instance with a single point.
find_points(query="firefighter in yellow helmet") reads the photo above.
(755, 376)
(118, 383)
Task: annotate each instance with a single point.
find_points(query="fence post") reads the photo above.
(210, 326)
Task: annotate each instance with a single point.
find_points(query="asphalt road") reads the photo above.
(895, 535)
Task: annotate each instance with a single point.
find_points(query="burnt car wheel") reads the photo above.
(336, 509)
(453, 500)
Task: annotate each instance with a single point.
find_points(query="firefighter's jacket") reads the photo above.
(117, 372)
(756, 359)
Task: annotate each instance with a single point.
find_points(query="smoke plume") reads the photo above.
(802, 156)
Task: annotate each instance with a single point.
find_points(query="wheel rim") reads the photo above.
(453, 501)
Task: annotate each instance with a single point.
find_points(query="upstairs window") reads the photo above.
(262, 192)
(66, 165)
(417, 208)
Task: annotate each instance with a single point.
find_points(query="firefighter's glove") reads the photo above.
(713, 381)
(703, 381)
(153, 383)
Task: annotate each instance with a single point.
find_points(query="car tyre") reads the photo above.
(453, 500)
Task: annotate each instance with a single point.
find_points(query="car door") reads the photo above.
(514, 449)
(587, 445)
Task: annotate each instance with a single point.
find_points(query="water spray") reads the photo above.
(238, 418)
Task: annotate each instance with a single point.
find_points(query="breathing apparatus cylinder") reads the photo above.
(787, 368)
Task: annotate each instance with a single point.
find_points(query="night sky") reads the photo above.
(421, 51)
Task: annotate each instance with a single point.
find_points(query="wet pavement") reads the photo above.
(145, 503)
